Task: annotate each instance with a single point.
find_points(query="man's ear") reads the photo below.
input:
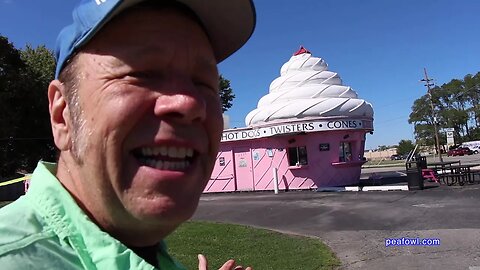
(59, 115)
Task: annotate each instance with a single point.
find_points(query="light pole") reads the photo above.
(429, 91)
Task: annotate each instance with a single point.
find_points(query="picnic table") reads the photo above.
(451, 172)
(461, 174)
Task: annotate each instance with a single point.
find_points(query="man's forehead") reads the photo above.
(177, 36)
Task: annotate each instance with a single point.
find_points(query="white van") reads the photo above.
(473, 145)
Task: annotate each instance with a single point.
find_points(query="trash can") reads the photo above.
(421, 162)
(414, 175)
(414, 180)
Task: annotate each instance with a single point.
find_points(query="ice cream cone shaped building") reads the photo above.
(308, 132)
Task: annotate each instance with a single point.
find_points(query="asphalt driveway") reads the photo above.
(355, 224)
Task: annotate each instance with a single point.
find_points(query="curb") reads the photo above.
(365, 188)
(338, 189)
(386, 188)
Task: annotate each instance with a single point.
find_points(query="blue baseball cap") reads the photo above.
(229, 24)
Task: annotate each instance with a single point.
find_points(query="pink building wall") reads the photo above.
(248, 164)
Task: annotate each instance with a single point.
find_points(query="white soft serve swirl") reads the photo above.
(306, 89)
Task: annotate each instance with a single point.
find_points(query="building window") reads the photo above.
(345, 152)
(297, 156)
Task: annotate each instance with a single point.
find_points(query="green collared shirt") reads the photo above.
(46, 229)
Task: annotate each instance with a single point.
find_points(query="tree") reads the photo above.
(472, 93)
(422, 118)
(11, 69)
(226, 94)
(25, 133)
(40, 71)
(456, 105)
(404, 147)
(41, 63)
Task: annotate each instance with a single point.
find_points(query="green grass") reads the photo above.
(261, 249)
(383, 163)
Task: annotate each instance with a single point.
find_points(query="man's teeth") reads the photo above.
(168, 151)
(167, 165)
(181, 157)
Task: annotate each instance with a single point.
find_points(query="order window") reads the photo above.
(297, 156)
(345, 152)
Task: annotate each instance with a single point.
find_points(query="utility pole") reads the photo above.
(428, 84)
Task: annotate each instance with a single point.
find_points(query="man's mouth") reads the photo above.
(170, 158)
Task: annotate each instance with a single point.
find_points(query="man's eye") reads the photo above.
(209, 86)
(141, 74)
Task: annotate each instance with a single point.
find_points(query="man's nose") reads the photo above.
(186, 104)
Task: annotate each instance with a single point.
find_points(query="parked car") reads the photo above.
(396, 157)
(460, 151)
(468, 150)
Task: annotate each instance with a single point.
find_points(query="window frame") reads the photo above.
(343, 155)
(300, 153)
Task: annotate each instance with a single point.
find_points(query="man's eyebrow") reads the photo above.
(202, 62)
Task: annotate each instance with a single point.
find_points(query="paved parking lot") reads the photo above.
(355, 224)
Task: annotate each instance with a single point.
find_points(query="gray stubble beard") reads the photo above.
(80, 132)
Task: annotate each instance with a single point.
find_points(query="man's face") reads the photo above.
(148, 92)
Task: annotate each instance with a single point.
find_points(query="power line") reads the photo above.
(463, 92)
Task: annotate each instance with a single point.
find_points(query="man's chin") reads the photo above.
(164, 209)
(161, 195)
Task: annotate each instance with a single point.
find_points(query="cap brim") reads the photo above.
(229, 23)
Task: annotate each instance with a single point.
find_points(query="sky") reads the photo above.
(378, 47)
